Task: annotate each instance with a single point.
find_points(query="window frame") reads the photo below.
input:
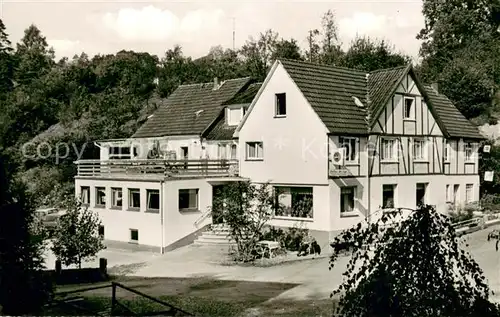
(343, 140)
(411, 117)
(189, 192)
(447, 151)
(424, 198)
(131, 231)
(87, 190)
(278, 105)
(149, 192)
(468, 146)
(354, 211)
(234, 147)
(113, 190)
(395, 153)
(469, 197)
(97, 196)
(288, 211)
(131, 191)
(423, 149)
(394, 189)
(448, 195)
(257, 157)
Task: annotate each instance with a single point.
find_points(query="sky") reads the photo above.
(94, 27)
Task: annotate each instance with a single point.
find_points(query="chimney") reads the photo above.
(216, 83)
(435, 86)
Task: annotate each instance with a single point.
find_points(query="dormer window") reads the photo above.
(280, 105)
(234, 115)
(409, 108)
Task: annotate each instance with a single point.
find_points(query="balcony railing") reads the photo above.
(157, 167)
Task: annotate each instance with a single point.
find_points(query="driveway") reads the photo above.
(315, 280)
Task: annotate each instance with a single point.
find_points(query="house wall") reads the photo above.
(193, 143)
(357, 168)
(295, 146)
(117, 223)
(456, 163)
(177, 225)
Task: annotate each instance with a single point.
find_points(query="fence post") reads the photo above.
(103, 265)
(58, 267)
(113, 298)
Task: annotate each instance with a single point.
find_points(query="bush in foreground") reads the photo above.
(411, 267)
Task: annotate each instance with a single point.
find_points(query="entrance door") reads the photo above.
(217, 204)
(185, 155)
(421, 193)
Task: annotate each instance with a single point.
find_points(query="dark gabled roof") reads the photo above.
(456, 125)
(381, 86)
(330, 91)
(245, 96)
(220, 130)
(190, 109)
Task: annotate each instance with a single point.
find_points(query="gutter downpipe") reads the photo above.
(162, 193)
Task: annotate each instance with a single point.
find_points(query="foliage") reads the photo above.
(290, 238)
(246, 208)
(461, 213)
(490, 162)
(414, 267)
(23, 288)
(460, 51)
(491, 202)
(76, 237)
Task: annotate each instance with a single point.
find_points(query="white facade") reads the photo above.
(282, 141)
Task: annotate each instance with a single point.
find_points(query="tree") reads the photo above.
(34, 55)
(258, 54)
(331, 53)
(6, 61)
(287, 49)
(411, 266)
(76, 236)
(313, 47)
(23, 288)
(246, 208)
(369, 55)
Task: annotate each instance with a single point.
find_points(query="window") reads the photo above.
(469, 193)
(456, 193)
(188, 199)
(419, 150)
(468, 152)
(350, 146)
(421, 193)
(221, 151)
(116, 197)
(448, 193)
(85, 195)
(409, 111)
(153, 199)
(234, 116)
(280, 105)
(255, 150)
(101, 231)
(134, 198)
(294, 202)
(100, 196)
(388, 194)
(134, 235)
(119, 152)
(347, 195)
(389, 150)
(234, 151)
(447, 151)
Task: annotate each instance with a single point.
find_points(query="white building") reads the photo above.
(354, 142)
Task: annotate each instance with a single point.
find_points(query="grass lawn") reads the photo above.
(199, 296)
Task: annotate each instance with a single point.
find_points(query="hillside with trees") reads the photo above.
(77, 101)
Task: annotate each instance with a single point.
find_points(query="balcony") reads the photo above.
(156, 168)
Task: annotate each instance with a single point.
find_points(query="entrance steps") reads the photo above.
(217, 235)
